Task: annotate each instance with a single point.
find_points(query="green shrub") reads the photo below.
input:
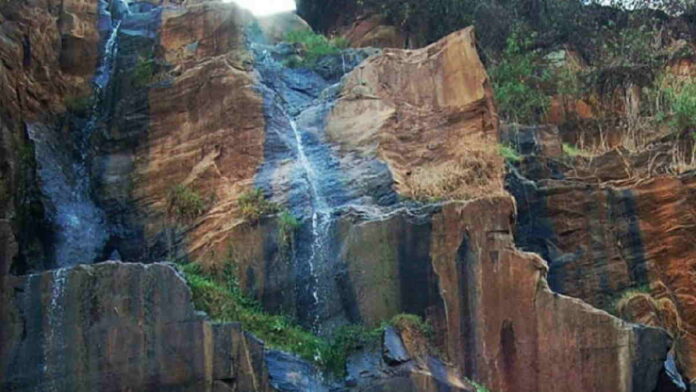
(143, 72)
(518, 83)
(78, 105)
(509, 153)
(253, 205)
(479, 387)
(683, 108)
(185, 203)
(315, 45)
(623, 297)
(287, 224)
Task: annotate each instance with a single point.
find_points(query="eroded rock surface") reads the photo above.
(616, 223)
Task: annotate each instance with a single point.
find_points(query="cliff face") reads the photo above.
(117, 327)
(610, 226)
(49, 53)
(383, 189)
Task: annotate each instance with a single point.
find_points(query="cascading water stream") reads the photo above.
(79, 224)
(321, 219)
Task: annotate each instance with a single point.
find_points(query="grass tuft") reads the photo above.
(254, 205)
(217, 292)
(185, 203)
(287, 224)
(509, 153)
(315, 46)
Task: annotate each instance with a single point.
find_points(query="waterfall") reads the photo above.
(54, 343)
(302, 169)
(320, 218)
(105, 70)
(79, 224)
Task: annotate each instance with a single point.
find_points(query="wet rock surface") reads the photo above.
(120, 326)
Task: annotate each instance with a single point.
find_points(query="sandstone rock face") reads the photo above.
(206, 127)
(116, 327)
(502, 317)
(428, 114)
(604, 233)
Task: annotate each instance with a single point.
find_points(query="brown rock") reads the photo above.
(206, 128)
(506, 329)
(48, 53)
(428, 114)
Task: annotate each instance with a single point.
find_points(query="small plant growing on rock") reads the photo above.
(414, 322)
(78, 105)
(254, 205)
(185, 203)
(143, 72)
(509, 153)
(287, 224)
(684, 108)
(315, 46)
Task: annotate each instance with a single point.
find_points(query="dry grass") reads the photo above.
(682, 160)
(477, 172)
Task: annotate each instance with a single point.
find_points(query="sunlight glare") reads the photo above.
(266, 7)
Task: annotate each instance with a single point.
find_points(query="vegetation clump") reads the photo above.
(217, 292)
(509, 153)
(287, 224)
(185, 203)
(254, 205)
(315, 47)
(517, 81)
(623, 298)
(78, 105)
(143, 72)
(683, 107)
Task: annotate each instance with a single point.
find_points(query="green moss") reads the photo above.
(78, 105)
(253, 205)
(509, 153)
(479, 387)
(572, 151)
(185, 203)
(219, 295)
(315, 45)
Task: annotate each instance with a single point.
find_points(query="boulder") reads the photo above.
(428, 114)
(393, 350)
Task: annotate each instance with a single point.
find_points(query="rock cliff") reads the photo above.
(610, 227)
(344, 189)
